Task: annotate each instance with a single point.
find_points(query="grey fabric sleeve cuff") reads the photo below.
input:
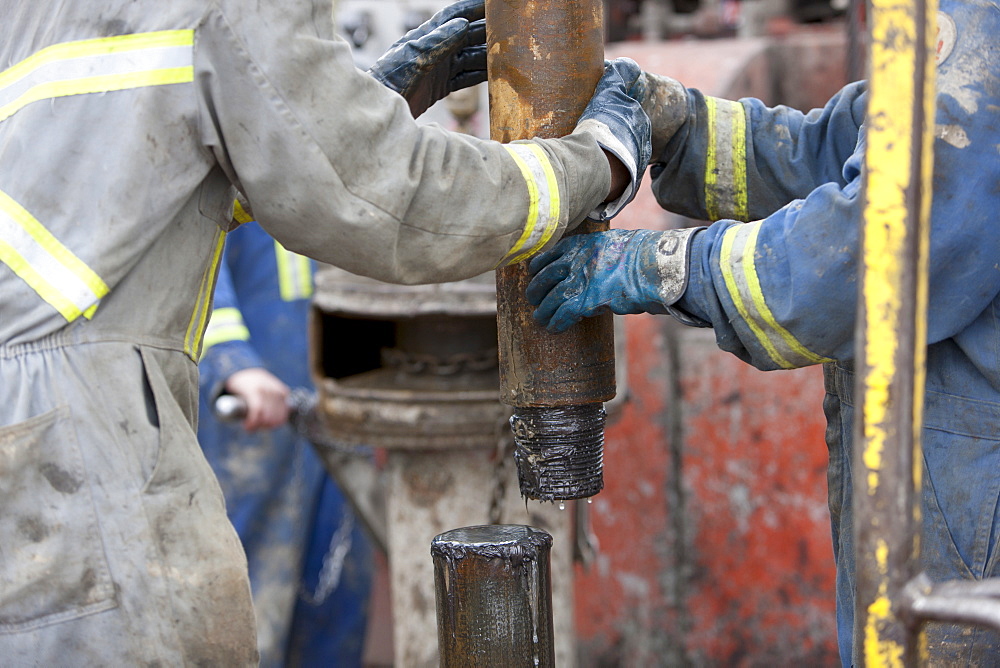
(673, 262)
(609, 142)
(673, 259)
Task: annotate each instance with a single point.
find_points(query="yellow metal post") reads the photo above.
(892, 325)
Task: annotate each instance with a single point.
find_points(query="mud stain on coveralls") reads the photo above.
(61, 480)
(33, 529)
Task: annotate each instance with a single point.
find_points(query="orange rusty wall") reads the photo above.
(714, 538)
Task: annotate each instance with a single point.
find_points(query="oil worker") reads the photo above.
(310, 563)
(127, 129)
(776, 276)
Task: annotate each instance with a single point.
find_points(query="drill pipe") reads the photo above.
(545, 58)
(493, 592)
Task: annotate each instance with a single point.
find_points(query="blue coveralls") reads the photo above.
(292, 519)
(781, 292)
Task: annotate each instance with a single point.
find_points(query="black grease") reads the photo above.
(513, 543)
(559, 451)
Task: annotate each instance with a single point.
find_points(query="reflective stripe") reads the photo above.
(294, 274)
(226, 324)
(199, 317)
(543, 201)
(98, 66)
(52, 270)
(726, 161)
(240, 214)
(739, 245)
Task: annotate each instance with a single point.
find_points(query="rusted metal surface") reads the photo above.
(494, 598)
(545, 57)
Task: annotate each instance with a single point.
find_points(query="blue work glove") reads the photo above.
(622, 271)
(445, 54)
(615, 117)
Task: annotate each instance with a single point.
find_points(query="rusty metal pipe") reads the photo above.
(545, 58)
(494, 596)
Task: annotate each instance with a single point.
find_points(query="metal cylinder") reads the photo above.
(545, 58)
(559, 451)
(494, 596)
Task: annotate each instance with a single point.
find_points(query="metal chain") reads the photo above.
(416, 364)
(333, 562)
(501, 469)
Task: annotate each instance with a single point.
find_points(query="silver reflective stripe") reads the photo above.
(738, 264)
(543, 201)
(98, 66)
(75, 68)
(726, 161)
(49, 268)
(294, 274)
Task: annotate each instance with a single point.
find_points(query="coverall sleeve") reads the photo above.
(782, 292)
(227, 347)
(335, 167)
(742, 160)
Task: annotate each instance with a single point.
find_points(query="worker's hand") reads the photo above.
(265, 395)
(622, 271)
(615, 117)
(666, 103)
(445, 54)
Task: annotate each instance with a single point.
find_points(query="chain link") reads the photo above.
(501, 469)
(416, 364)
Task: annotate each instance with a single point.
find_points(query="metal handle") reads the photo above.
(229, 408)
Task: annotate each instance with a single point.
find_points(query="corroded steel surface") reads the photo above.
(545, 58)
(494, 599)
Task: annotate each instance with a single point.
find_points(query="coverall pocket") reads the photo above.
(961, 487)
(52, 563)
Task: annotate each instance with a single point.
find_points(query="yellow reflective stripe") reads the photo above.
(199, 317)
(726, 161)
(226, 324)
(240, 214)
(757, 295)
(294, 274)
(98, 66)
(543, 201)
(738, 264)
(48, 267)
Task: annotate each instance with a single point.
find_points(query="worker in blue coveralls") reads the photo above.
(310, 563)
(775, 275)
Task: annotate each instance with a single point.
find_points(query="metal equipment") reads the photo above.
(412, 372)
(893, 601)
(545, 60)
(494, 598)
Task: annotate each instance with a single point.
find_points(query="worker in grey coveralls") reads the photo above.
(127, 127)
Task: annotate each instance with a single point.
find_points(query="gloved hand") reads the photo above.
(615, 117)
(445, 54)
(624, 271)
(666, 103)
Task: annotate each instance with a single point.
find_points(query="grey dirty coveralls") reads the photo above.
(124, 127)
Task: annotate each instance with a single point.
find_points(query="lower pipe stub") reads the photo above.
(559, 451)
